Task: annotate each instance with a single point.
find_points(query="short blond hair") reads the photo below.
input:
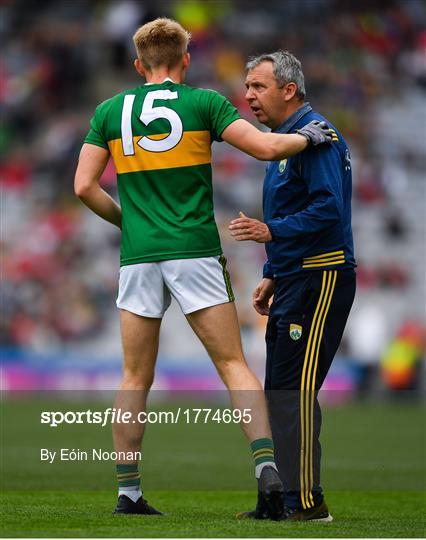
(161, 42)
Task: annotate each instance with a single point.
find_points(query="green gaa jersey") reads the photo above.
(159, 136)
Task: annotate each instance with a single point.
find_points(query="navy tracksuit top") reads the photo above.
(307, 205)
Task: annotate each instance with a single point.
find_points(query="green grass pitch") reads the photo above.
(373, 474)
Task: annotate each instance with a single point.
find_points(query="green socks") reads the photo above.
(263, 454)
(129, 481)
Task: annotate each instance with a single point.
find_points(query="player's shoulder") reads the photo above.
(103, 108)
(204, 93)
(199, 89)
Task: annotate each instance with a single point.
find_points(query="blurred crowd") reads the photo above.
(365, 69)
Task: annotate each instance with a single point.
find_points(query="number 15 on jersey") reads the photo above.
(149, 114)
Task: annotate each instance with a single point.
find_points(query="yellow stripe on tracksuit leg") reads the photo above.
(309, 394)
(331, 282)
(302, 393)
(329, 296)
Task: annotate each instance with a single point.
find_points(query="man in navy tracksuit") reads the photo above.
(309, 272)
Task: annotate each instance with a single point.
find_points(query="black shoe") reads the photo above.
(272, 491)
(125, 505)
(318, 513)
(270, 497)
(260, 512)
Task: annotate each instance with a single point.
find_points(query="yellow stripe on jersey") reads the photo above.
(193, 149)
(334, 135)
(323, 256)
(325, 259)
(321, 264)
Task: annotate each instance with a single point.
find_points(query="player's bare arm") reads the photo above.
(274, 146)
(92, 162)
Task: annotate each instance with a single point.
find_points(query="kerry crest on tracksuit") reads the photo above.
(295, 331)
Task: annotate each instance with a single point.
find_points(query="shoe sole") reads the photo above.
(124, 513)
(327, 519)
(243, 515)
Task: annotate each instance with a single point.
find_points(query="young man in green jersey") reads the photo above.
(159, 135)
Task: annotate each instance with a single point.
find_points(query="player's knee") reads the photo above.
(137, 378)
(228, 369)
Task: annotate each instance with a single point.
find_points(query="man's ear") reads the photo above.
(139, 67)
(186, 60)
(289, 90)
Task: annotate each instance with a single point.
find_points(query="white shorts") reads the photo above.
(146, 289)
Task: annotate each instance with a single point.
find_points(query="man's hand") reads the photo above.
(245, 228)
(316, 132)
(262, 294)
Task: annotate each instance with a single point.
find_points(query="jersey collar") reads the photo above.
(292, 120)
(162, 82)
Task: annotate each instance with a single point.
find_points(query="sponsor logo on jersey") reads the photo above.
(295, 331)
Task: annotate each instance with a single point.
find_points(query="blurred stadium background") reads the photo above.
(365, 68)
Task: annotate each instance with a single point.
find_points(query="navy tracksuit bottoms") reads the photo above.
(305, 327)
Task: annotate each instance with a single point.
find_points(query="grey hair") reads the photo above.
(287, 68)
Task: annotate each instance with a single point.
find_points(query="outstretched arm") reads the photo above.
(91, 165)
(274, 146)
